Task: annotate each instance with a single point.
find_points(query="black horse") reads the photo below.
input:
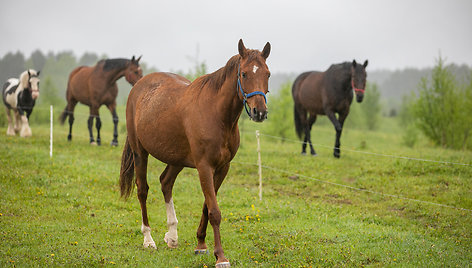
(327, 93)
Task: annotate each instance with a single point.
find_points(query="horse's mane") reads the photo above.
(114, 64)
(338, 71)
(216, 79)
(24, 77)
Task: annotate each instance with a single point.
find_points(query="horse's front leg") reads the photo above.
(210, 182)
(25, 128)
(339, 128)
(167, 179)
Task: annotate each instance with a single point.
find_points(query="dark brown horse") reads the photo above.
(96, 86)
(192, 125)
(327, 93)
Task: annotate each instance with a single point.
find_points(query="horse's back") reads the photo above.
(78, 84)
(154, 117)
(307, 91)
(9, 92)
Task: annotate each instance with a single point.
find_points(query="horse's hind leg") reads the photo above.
(212, 213)
(98, 123)
(167, 179)
(70, 110)
(140, 165)
(311, 121)
(10, 129)
(112, 108)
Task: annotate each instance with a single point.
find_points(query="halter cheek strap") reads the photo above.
(357, 89)
(247, 96)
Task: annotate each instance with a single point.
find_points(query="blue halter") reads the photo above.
(247, 96)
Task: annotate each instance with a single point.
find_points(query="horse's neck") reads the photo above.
(228, 102)
(116, 74)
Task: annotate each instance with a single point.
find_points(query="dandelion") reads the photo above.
(52, 255)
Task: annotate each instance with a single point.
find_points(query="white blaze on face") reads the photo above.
(254, 69)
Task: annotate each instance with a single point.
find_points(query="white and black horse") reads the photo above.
(20, 96)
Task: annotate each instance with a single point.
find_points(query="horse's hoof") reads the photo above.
(314, 154)
(150, 244)
(303, 153)
(223, 264)
(172, 243)
(93, 143)
(200, 251)
(337, 154)
(114, 143)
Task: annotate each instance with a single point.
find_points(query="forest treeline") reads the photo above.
(392, 85)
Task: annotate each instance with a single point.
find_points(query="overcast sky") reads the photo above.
(305, 35)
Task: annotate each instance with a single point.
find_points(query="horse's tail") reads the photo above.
(298, 122)
(127, 171)
(296, 112)
(63, 116)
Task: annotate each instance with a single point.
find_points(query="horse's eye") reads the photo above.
(136, 72)
(244, 75)
(268, 75)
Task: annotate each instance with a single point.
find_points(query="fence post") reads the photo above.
(50, 135)
(259, 163)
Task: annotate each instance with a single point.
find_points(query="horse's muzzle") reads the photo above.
(359, 97)
(257, 115)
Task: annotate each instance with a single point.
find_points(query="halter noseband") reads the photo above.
(247, 96)
(357, 89)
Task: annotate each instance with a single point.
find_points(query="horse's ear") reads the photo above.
(266, 50)
(242, 48)
(139, 58)
(29, 74)
(354, 63)
(365, 63)
(38, 73)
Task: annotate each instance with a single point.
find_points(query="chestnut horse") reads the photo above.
(327, 93)
(95, 86)
(194, 125)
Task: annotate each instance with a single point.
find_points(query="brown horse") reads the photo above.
(95, 86)
(192, 125)
(327, 93)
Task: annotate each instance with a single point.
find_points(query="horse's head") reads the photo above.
(358, 79)
(133, 73)
(253, 80)
(33, 83)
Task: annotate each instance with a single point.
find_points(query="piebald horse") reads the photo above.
(20, 96)
(193, 125)
(96, 86)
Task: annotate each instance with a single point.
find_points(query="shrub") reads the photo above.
(442, 109)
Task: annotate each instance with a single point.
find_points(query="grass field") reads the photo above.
(67, 211)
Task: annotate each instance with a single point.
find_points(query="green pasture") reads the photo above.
(359, 210)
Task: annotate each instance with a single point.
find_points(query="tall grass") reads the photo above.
(66, 211)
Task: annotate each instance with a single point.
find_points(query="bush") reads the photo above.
(280, 117)
(443, 109)
(371, 106)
